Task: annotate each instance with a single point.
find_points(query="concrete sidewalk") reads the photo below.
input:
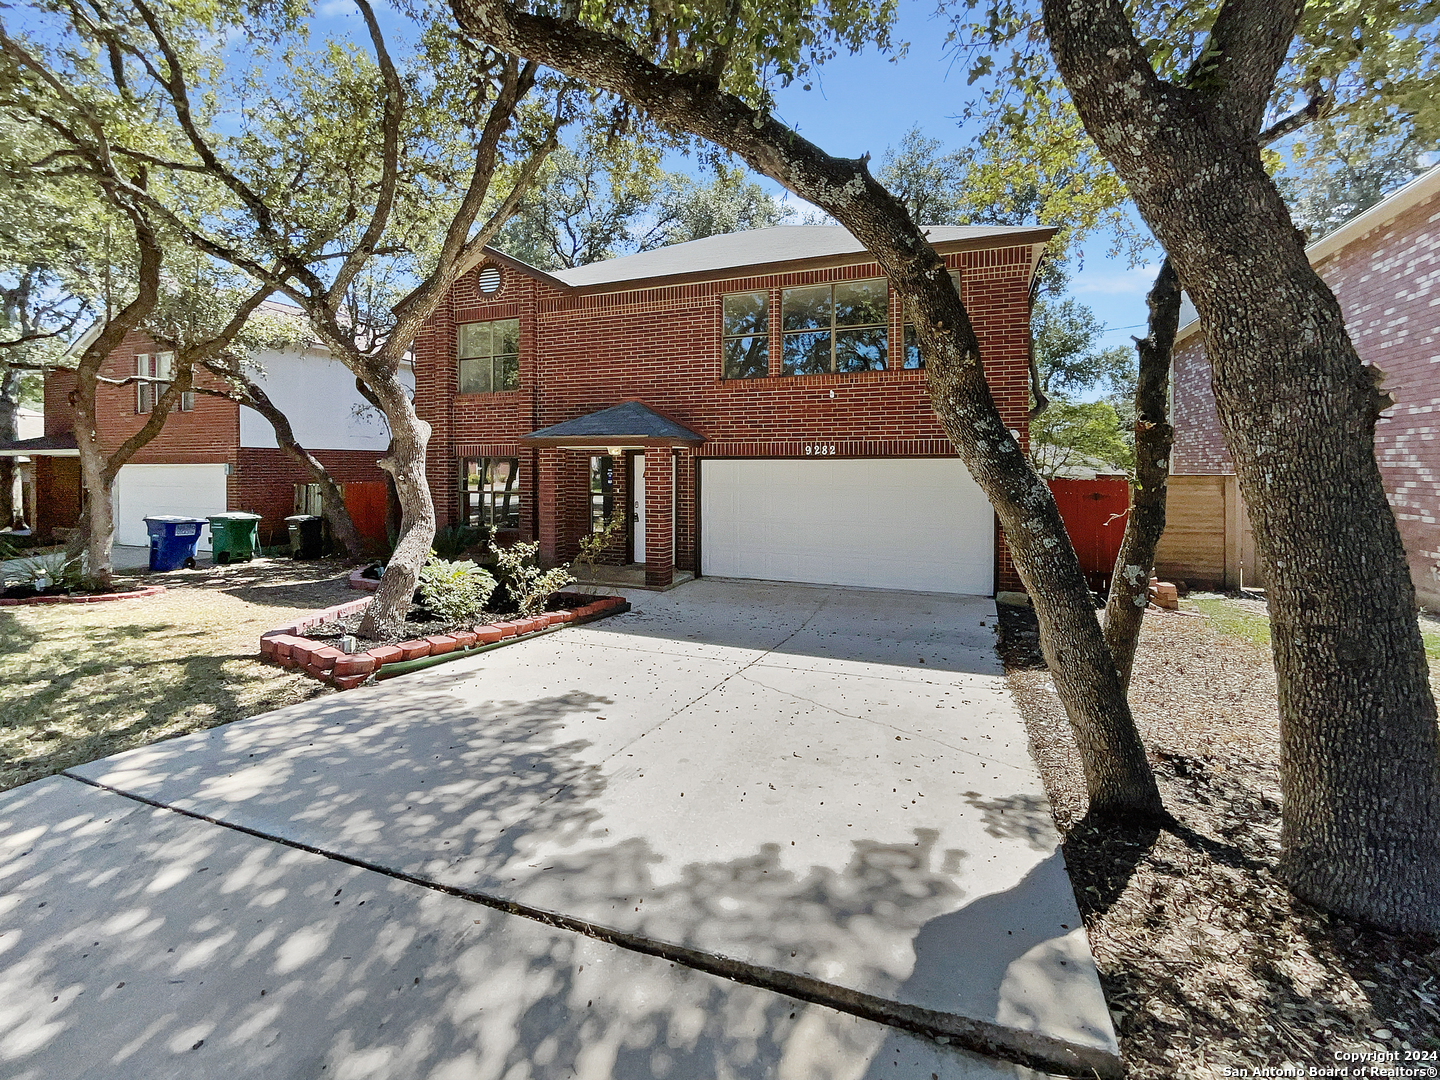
(820, 792)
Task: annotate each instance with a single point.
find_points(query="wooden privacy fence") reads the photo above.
(1094, 512)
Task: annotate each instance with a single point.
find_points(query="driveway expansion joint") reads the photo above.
(1029, 1049)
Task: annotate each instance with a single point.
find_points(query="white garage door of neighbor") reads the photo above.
(885, 523)
(143, 491)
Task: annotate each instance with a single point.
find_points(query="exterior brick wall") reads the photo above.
(580, 352)
(207, 434)
(264, 482)
(1388, 285)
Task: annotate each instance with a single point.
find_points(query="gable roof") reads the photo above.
(629, 424)
(1361, 225)
(725, 255)
(776, 246)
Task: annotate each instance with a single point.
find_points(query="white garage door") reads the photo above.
(143, 491)
(887, 523)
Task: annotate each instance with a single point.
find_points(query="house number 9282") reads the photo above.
(820, 449)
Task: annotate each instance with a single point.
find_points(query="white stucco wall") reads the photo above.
(318, 396)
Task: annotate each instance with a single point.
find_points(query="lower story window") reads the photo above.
(490, 492)
(602, 491)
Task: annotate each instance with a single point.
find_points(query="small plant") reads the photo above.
(455, 591)
(457, 540)
(593, 545)
(47, 570)
(528, 585)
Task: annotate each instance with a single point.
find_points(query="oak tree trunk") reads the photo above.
(9, 406)
(405, 462)
(1360, 748)
(1130, 582)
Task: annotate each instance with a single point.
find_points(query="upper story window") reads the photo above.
(155, 372)
(913, 359)
(489, 356)
(840, 327)
(746, 334)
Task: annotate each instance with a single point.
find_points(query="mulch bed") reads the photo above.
(1207, 961)
(18, 598)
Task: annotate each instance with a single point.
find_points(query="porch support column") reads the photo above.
(547, 490)
(659, 516)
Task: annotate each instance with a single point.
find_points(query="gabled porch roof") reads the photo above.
(631, 425)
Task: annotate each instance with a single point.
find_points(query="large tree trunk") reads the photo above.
(406, 464)
(1130, 583)
(9, 406)
(1117, 773)
(1360, 750)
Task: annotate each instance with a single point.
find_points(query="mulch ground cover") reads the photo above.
(1208, 962)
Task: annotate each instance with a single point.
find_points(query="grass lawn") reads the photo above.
(83, 681)
(1246, 619)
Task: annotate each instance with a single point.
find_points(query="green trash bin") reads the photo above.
(234, 536)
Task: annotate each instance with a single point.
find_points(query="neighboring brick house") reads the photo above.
(212, 455)
(750, 401)
(1384, 268)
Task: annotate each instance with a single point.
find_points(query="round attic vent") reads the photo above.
(489, 280)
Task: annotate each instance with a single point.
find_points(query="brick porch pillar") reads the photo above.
(659, 516)
(547, 490)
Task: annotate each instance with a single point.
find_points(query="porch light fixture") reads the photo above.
(614, 451)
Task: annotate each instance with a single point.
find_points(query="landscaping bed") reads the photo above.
(311, 644)
(1208, 962)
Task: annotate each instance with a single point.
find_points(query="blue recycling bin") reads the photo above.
(172, 541)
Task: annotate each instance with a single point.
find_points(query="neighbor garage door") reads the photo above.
(143, 491)
(889, 523)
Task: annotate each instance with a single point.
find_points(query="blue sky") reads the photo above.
(865, 103)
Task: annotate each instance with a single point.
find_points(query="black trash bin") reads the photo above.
(307, 536)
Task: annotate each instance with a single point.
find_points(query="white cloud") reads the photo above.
(1107, 281)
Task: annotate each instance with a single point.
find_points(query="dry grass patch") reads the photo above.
(1207, 960)
(82, 681)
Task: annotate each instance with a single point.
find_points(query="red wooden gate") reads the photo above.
(366, 503)
(1094, 513)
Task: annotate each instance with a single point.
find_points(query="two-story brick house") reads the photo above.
(1384, 268)
(212, 455)
(753, 402)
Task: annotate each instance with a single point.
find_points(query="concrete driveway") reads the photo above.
(697, 818)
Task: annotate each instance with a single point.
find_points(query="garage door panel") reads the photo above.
(143, 491)
(899, 523)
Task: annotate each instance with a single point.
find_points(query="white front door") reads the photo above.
(887, 523)
(637, 504)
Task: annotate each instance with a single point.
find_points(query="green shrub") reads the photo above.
(48, 569)
(593, 544)
(455, 591)
(457, 540)
(528, 585)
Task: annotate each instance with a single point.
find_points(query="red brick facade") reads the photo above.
(259, 480)
(583, 350)
(1387, 280)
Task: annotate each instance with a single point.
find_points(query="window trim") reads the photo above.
(762, 333)
(485, 500)
(835, 327)
(154, 372)
(492, 356)
(607, 495)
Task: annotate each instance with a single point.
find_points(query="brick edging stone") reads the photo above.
(98, 598)
(290, 648)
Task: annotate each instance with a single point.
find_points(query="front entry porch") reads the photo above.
(628, 460)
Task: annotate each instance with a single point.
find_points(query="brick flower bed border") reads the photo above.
(98, 598)
(290, 648)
